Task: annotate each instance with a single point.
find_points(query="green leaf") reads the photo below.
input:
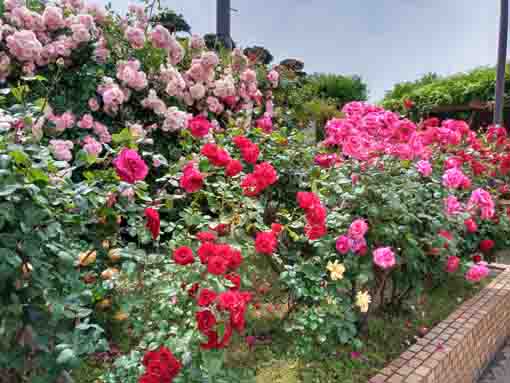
(66, 356)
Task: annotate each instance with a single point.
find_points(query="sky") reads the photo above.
(383, 41)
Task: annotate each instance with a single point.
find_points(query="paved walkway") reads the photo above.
(499, 370)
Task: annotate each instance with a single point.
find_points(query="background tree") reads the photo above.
(259, 54)
(172, 21)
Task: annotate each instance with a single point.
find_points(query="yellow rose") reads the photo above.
(87, 258)
(363, 301)
(336, 270)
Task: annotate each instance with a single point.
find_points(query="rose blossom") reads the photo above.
(343, 244)
(265, 123)
(424, 168)
(199, 126)
(358, 229)
(454, 178)
(61, 149)
(183, 256)
(471, 225)
(53, 18)
(153, 222)
(24, 45)
(452, 206)
(130, 167)
(384, 257)
(136, 37)
(192, 180)
(452, 264)
(477, 272)
(91, 146)
(266, 243)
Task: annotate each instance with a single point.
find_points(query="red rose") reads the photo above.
(206, 236)
(265, 242)
(212, 341)
(130, 167)
(206, 251)
(408, 104)
(233, 168)
(192, 292)
(307, 199)
(183, 256)
(217, 265)
(146, 378)
(265, 174)
(192, 180)
(276, 228)
(477, 258)
(315, 232)
(153, 222)
(250, 186)
(205, 320)
(216, 155)
(486, 245)
(159, 371)
(471, 225)
(162, 366)
(234, 257)
(250, 153)
(222, 229)
(199, 126)
(316, 215)
(235, 279)
(206, 297)
(241, 142)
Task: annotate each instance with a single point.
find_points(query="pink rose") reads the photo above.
(358, 229)
(91, 146)
(384, 257)
(452, 264)
(454, 178)
(161, 37)
(86, 122)
(452, 206)
(343, 244)
(24, 45)
(273, 77)
(265, 123)
(197, 42)
(197, 91)
(199, 126)
(471, 225)
(136, 37)
(61, 149)
(424, 168)
(53, 18)
(80, 33)
(130, 167)
(477, 272)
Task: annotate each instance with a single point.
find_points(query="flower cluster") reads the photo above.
(316, 215)
(355, 238)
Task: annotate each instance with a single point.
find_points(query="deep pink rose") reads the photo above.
(199, 126)
(384, 257)
(452, 264)
(130, 167)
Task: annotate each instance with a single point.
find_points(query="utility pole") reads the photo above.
(223, 22)
(501, 69)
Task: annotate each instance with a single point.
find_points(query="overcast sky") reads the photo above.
(384, 41)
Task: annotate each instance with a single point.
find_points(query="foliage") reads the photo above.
(172, 21)
(260, 54)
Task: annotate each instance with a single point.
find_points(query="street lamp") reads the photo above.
(501, 69)
(223, 22)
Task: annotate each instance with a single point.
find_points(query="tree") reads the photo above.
(172, 21)
(259, 54)
(338, 88)
(213, 42)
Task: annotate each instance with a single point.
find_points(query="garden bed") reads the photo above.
(271, 350)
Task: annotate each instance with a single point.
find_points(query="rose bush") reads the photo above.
(161, 179)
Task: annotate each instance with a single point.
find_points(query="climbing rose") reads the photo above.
(384, 257)
(265, 242)
(153, 222)
(452, 264)
(183, 256)
(130, 167)
(199, 126)
(477, 272)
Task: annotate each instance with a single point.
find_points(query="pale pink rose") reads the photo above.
(424, 168)
(53, 18)
(214, 105)
(384, 257)
(61, 149)
(269, 107)
(197, 42)
(343, 244)
(86, 122)
(24, 46)
(452, 264)
(102, 132)
(86, 20)
(5, 66)
(161, 37)
(209, 60)
(101, 54)
(273, 77)
(358, 229)
(93, 104)
(176, 53)
(63, 122)
(91, 146)
(154, 103)
(249, 75)
(225, 87)
(11, 4)
(452, 206)
(128, 193)
(128, 72)
(81, 33)
(477, 272)
(197, 91)
(175, 120)
(135, 37)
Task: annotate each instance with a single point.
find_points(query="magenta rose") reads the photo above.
(343, 244)
(130, 167)
(358, 229)
(384, 257)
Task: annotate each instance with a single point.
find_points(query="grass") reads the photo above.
(389, 335)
